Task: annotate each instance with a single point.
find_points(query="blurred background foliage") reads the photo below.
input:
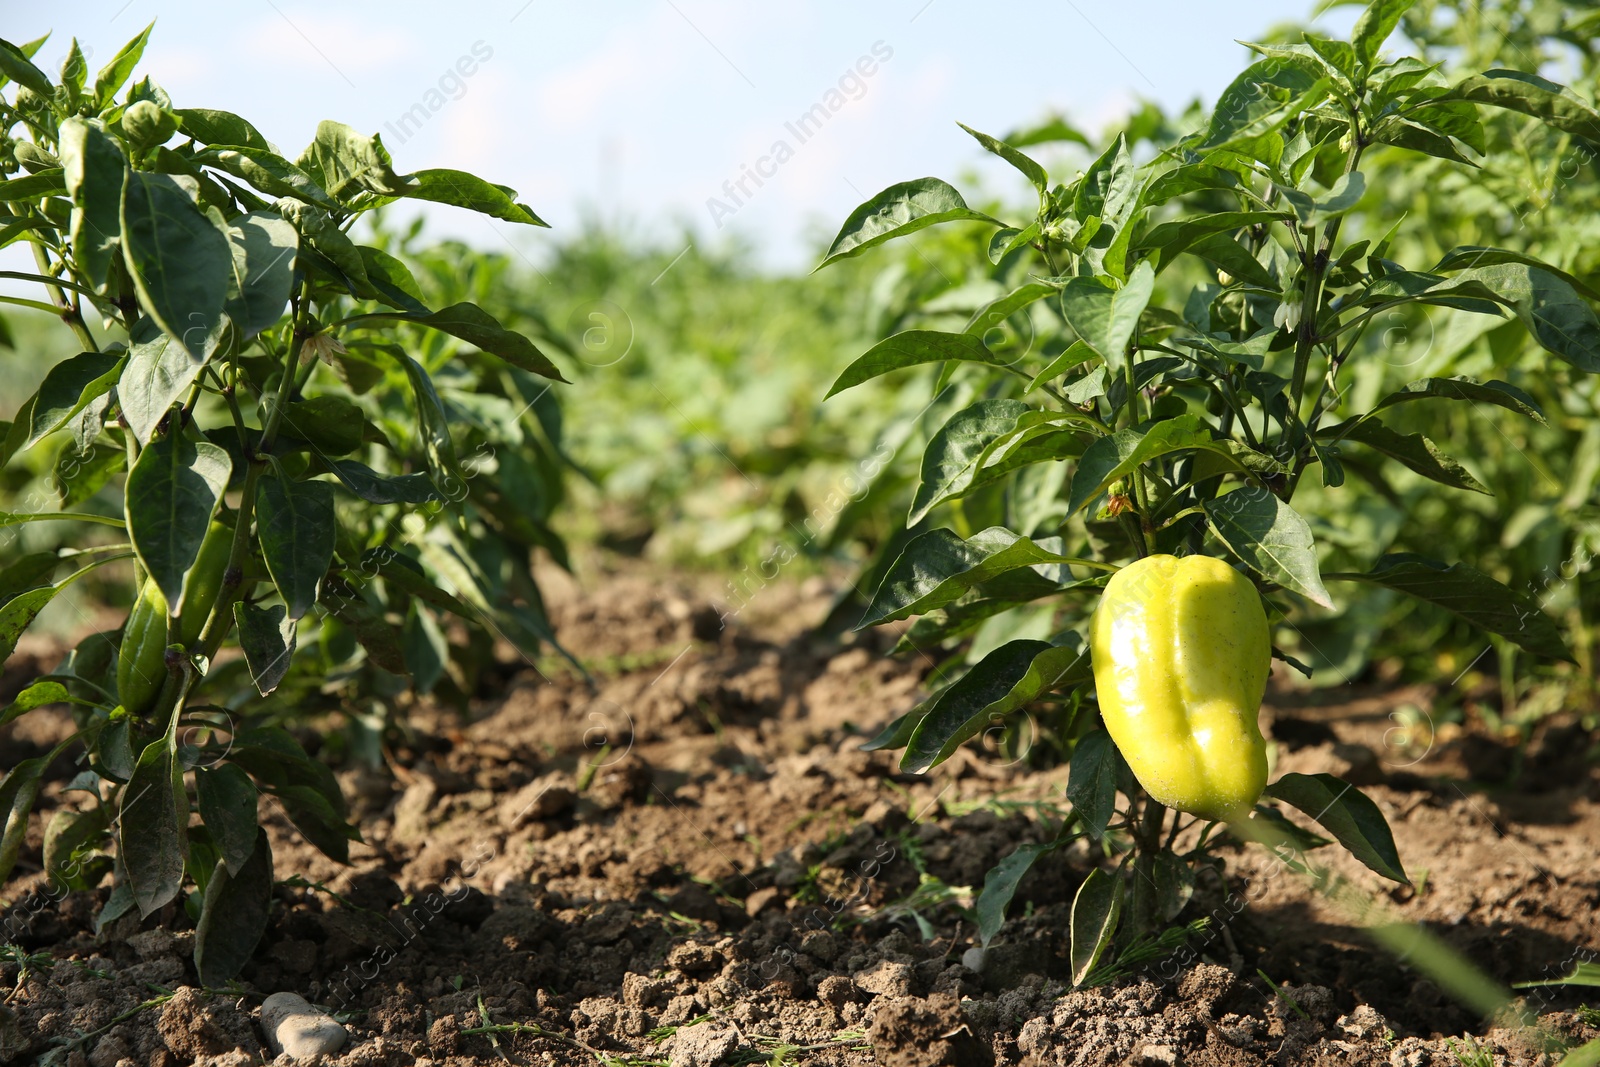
(694, 434)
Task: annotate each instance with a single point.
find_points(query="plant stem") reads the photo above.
(1147, 843)
(66, 309)
(221, 620)
(1311, 299)
(131, 445)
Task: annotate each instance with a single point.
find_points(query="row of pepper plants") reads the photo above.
(261, 412)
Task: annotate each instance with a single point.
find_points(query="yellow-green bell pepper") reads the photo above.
(1181, 653)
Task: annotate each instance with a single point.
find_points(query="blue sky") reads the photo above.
(642, 110)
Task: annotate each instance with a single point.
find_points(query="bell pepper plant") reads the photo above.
(253, 411)
(1118, 437)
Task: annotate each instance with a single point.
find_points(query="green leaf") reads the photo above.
(227, 799)
(937, 567)
(406, 575)
(1271, 538)
(1039, 437)
(27, 572)
(949, 460)
(267, 638)
(14, 64)
(1463, 257)
(1398, 286)
(152, 827)
(1236, 259)
(433, 427)
(233, 916)
(1189, 178)
(376, 488)
(1403, 133)
(1339, 57)
(997, 311)
(476, 326)
(1346, 813)
(426, 649)
(316, 817)
(897, 211)
(1000, 885)
(17, 794)
(50, 182)
(1453, 118)
(1413, 450)
(330, 424)
(1092, 781)
(460, 189)
(267, 171)
(1556, 105)
(1174, 884)
(18, 613)
(1106, 319)
(381, 640)
(1008, 239)
(1054, 128)
(179, 261)
(67, 389)
(118, 904)
(1084, 389)
(391, 281)
(1469, 594)
(1174, 237)
(913, 348)
(37, 695)
(1264, 97)
(1375, 25)
(159, 371)
(172, 492)
(1500, 394)
(94, 171)
(1095, 911)
(1272, 828)
(1029, 168)
(1077, 353)
(1109, 189)
(1345, 194)
(1011, 676)
(70, 832)
(115, 74)
(297, 528)
(898, 732)
(1115, 456)
(113, 749)
(1584, 973)
(263, 246)
(347, 163)
(1549, 307)
(211, 127)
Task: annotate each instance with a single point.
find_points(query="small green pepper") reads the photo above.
(142, 659)
(204, 582)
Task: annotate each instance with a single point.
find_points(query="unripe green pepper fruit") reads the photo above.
(204, 582)
(142, 659)
(146, 124)
(1181, 653)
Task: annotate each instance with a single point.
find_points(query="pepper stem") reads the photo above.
(1146, 901)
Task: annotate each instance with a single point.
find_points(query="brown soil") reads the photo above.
(734, 876)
